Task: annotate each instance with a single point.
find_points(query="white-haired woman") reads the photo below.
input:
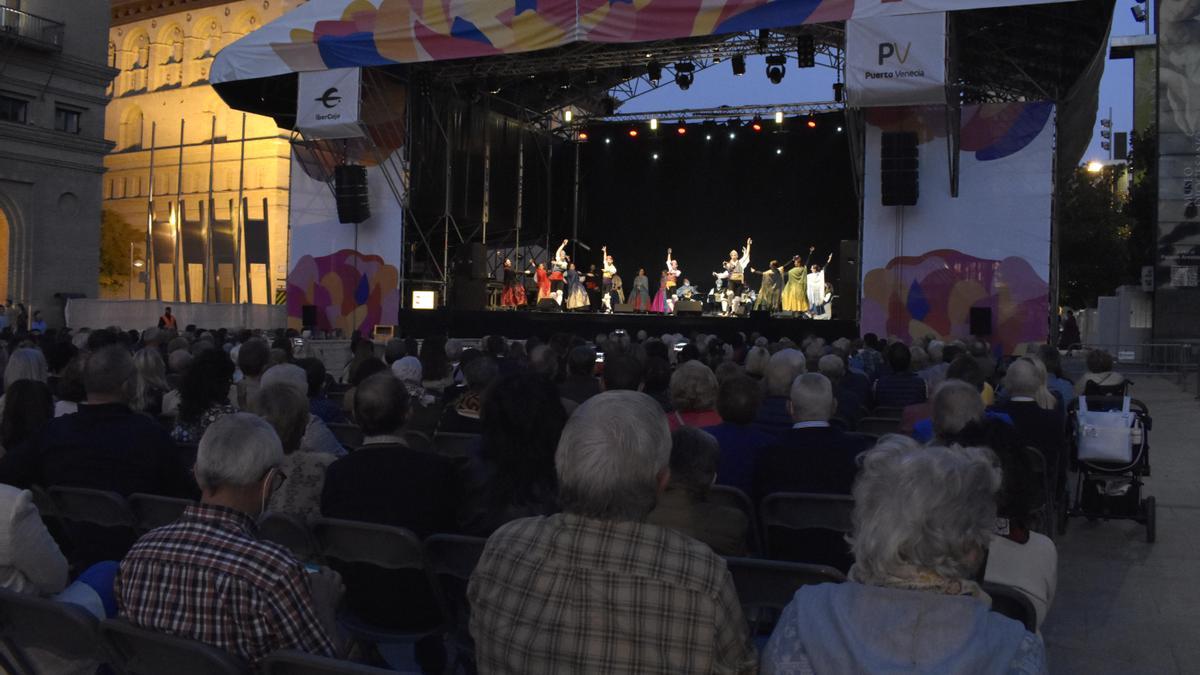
(756, 362)
(24, 364)
(694, 390)
(910, 604)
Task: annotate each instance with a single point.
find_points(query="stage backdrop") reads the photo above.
(925, 266)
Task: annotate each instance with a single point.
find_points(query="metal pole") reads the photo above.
(209, 275)
(446, 220)
(520, 216)
(179, 216)
(241, 224)
(151, 263)
(575, 208)
(130, 289)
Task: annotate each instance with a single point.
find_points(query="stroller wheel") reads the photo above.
(1151, 513)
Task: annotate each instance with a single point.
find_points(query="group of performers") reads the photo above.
(799, 291)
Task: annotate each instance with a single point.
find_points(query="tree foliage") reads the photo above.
(1142, 204)
(1095, 233)
(116, 235)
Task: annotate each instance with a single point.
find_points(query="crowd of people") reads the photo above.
(590, 478)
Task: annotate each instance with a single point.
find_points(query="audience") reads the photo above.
(24, 364)
(756, 362)
(437, 375)
(1100, 379)
(151, 381)
(694, 390)
(899, 387)
(1035, 413)
(1052, 360)
(29, 408)
(462, 416)
(684, 506)
(850, 404)
(622, 372)
(783, 368)
(208, 577)
(595, 588)
(318, 403)
(317, 437)
(740, 443)
(204, 395)
(911, 604)
(287, 412)
(580, 383)
(252, 359)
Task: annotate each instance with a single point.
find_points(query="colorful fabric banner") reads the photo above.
(896, 60)
(350, 33)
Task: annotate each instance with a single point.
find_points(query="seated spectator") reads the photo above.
(208, 577)
(424, 405)
(69, 387)
(741, 444)
(24, 364)
(1035, 413)
(178, 362)
(964, 368)
(317, 437)
(850, 405)
(580, 383)
(756, 362)
(867, 357)
(385, 481)
(622, 372)
(318, 403)
(1052, 360)
(1100, 378)
(204, 395)
(683, 506)
(252, 359)
(812, 456)
(511, 474)
(437, 375)
(287, 412)
(595, 588)
(978, 348)
(657, 381)
(29, 408)
(361, 372)
(900, 387)
(151, 382)
(30, 560)
(394, 350)
(935, 372)
(917, 551)
(784, 367)
(462, 416)
(694, 391)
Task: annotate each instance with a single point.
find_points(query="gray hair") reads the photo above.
(610, 471)
(454, 349)
(783, 368)
(955, 405)
(237, 450)
(110, 371)
(287, 374)
(694, 456)
(286, 410)
(832, 366)
(941, 521)
(1027, 377)
(936, 348)
(26, 364)
(812, 398)
(920, 359)
(756, 361)
(179, 360)
(544, 361)
(694, 387)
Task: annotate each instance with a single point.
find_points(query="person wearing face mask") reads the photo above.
(208, 576)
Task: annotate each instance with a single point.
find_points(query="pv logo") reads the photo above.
(889, 49)
(329, 99)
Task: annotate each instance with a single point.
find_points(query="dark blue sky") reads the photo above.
(718, 86)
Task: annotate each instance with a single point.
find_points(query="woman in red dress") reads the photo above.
(543, 283)
(514, 287)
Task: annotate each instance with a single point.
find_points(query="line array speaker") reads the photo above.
(350, 192)
(899, 168)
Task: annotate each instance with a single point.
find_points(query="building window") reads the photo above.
(14, 109)
(67, 120)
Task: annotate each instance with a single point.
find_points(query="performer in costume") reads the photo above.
(664, 300)
(770, 294)
(591, 282)
(640, 298)
(514, 287)
(576, 294)
(686, 291)
(558, 270)
(795, 298)
(543, 283)
(609, 268)
(617, 294)
(816, 294)
(736, 267)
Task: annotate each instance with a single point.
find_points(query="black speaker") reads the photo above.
(899, 168)
(759, 314)
(469, 294)
(308, 316)
(471, 261)
(350, 191)
(688, 308)
(548, 305)
(622, 309)
(981, 321)
(845, 300)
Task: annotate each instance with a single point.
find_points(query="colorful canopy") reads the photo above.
(329, 34)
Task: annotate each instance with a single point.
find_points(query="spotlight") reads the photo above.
(779, 151)
(806, 52)
(839, 92)
(778, 117)
(732, 135)
(708, 137)
(654, 72)
(654, 156)
(633, 133)
(756, 124)
(1139, 13)
(738, 62)
(653, 124)
(568, 115)
(776, 68)
(839, 130)
(607, 141)
(583, 137)
(812, 122)
(684, 75)
(681, 129)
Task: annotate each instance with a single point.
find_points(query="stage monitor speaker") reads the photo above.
(350, 192)
(760, 314)
(623, 309)
(308, 316)
(471, 261)
(688, 308)
(845, 301)
(469, 294)
(981, 321)
(548, 305)
(899, 168)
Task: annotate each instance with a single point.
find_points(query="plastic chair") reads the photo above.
(383, 567)
(455, 445)
(144, 652)
(878, 426)
(349, 435)
(1043, 518)
(291, 662)
(153, 511)
(807, 527)
(765, 587)
(1012, 603)
(290, 532)
(453, 558)
(727, 495)
(890, 413)
(99, 524)
(65, 630)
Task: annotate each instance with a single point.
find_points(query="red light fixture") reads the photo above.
(583, 136)
(812, 123)
(633, 133)
(681, 131)
(756, 124)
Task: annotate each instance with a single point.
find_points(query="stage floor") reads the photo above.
(521, 324)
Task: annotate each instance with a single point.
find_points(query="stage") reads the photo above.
(522, 324)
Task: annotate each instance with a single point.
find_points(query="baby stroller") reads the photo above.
(1110, 454)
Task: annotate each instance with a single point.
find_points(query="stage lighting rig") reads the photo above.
(812, 122)
(654, 72)
(685, 75)
(756, 124)
(681, 128)
(839, 91)
(738, 62)
(776, 68)
(1139, 12)
(806, 52)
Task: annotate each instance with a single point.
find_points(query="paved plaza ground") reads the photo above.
(1123, 605)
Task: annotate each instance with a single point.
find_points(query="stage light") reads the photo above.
(653, 124)
(839, 130)
(756, 124)
(633, 133)
(684, 75)
(568, 115)
(654, 72)
(778, 117)
(654, 156)
(681, 129)
(738, 62)
(708, 137)
(776, 68)
(812, 122)
(607, 141)
(1095, 166)
(806, 52)
(583, 137)
(492, 84)
(732, 135)
(839, 92)
(1139, 13)
(779, 151)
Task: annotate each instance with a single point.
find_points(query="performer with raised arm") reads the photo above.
(514, 287)
(664, 300)
(640, 298)
(558, 271)
(817, 296)
(736, 267)
(771, 292)
(795, 299)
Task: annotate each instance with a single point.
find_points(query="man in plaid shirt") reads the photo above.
(207, 577)
(595, 589)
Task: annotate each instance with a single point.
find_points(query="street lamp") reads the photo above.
(134, 263)
(1095, 166)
